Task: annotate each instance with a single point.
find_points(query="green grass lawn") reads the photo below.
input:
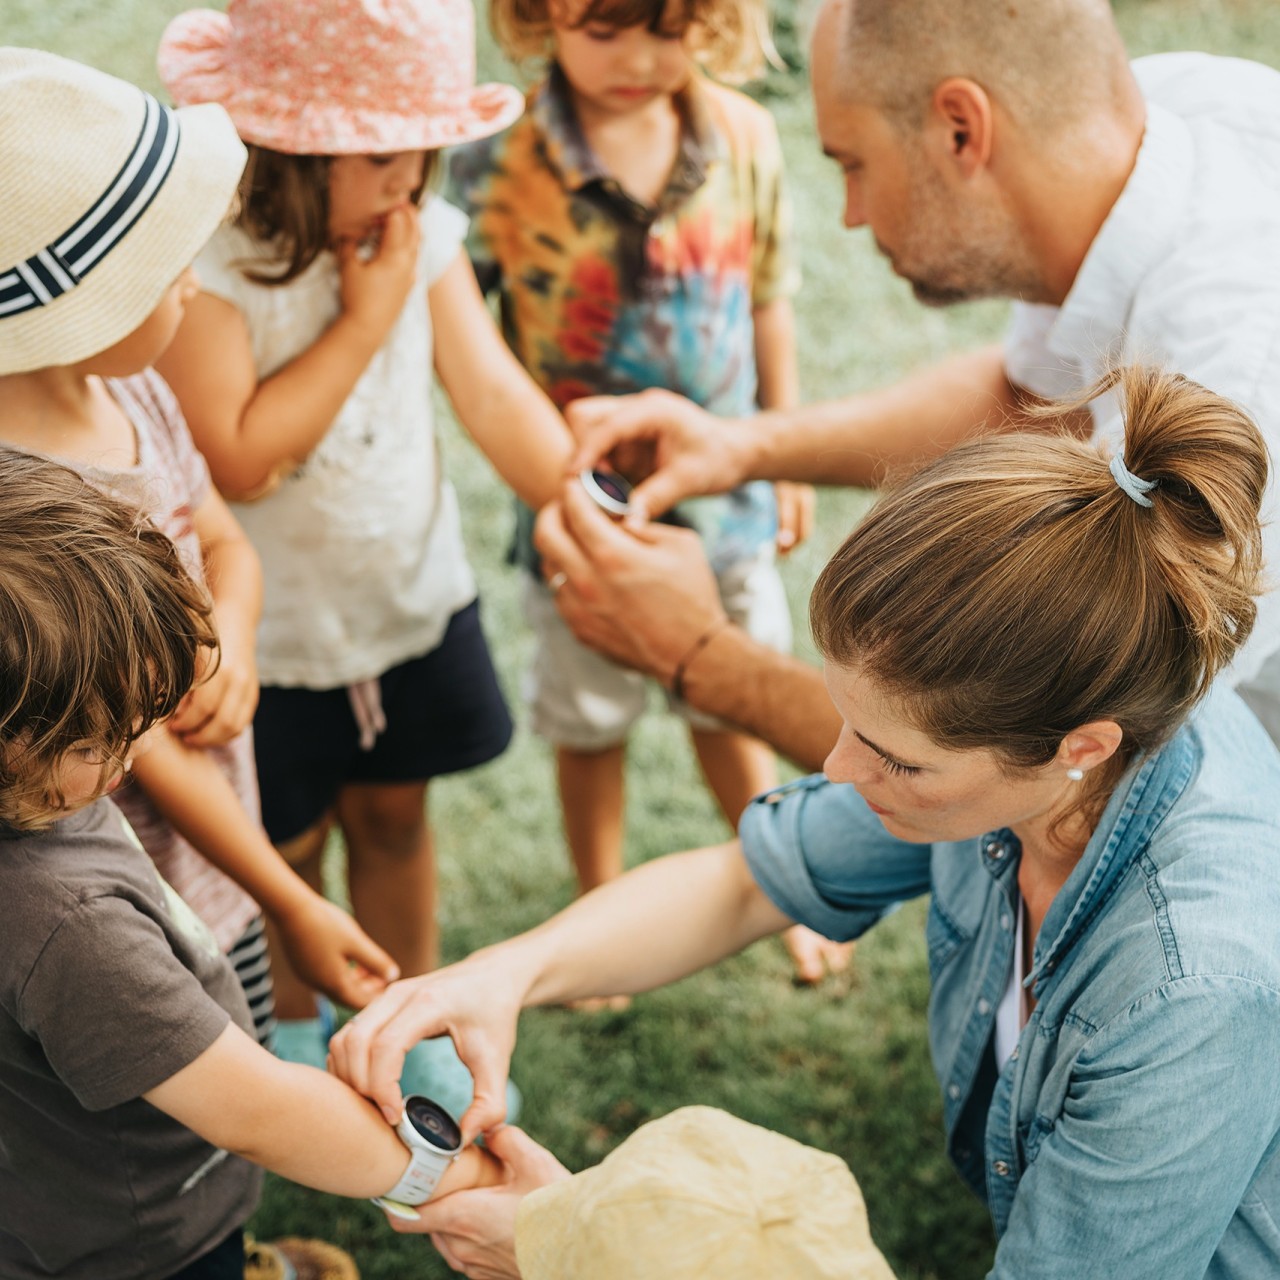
(844, 1066)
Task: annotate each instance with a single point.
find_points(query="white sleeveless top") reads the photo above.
(361, 546)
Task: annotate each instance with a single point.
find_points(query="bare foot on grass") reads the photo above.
(815, 956)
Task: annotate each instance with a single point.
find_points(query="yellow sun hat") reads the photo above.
(701, 1193)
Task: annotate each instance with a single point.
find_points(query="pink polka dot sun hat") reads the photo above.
(338, 77)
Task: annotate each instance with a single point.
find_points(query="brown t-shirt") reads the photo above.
(110, 986)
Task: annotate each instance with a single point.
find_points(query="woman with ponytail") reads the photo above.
(1023, 641)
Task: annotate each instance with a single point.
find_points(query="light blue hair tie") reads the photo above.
(1135, 486)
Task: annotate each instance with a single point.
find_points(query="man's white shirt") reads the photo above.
(1185, 272)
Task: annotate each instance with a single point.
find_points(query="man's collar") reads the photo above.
(1138, 233)
(569, 153)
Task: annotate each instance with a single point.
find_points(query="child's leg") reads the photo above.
(584, 705)
(391, 869)
(591, 800)
(738, 767)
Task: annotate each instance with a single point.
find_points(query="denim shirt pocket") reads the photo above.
(942, 934)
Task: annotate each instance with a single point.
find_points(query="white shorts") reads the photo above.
(581, 700)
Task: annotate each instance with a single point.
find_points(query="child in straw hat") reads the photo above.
(132, 1093)
(109, 195)
(305, 367)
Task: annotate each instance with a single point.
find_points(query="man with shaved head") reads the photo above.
(994, 148)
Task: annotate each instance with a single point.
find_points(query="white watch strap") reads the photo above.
(420, 1178)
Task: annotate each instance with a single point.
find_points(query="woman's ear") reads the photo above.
(1089, 746)
(962, 125)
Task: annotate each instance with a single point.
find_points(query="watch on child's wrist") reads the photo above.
(434, 1139)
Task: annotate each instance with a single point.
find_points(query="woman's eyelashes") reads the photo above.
(896, 766)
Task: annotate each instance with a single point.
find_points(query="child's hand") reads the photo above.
(332, 953)
(221, 707)
(375, 289)
(796, 504)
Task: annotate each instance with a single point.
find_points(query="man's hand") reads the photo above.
(641, 596)
(476, 1002)
(691, 450)
(475, 1230)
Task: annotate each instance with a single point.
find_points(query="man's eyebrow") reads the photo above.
(883, 754)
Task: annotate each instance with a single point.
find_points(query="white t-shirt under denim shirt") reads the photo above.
(361, 546)
(1186, 272)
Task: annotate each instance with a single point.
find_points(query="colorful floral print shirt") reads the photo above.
(603, 295)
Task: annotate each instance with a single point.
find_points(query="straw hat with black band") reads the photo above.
(108, 196)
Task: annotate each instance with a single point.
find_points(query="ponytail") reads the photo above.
(1015, 589)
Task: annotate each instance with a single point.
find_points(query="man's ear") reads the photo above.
(961, 125)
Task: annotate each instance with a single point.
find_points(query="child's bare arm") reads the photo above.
(777, 372)
(505, 412)
(219, 708)
(779, 388)
(254, 432)
(296, 1121)
(329, 950)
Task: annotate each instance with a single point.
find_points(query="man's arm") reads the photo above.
(853, 441)
(647, 598)
(771, 695)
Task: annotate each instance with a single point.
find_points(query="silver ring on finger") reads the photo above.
(556, 581)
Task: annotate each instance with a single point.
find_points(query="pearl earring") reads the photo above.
(1075, 775)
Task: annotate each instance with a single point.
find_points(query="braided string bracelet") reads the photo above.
(682, 667)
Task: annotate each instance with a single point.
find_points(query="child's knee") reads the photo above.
(388, 820)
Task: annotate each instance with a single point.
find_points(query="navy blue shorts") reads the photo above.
(444, 710)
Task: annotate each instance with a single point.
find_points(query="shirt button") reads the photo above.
(1017, 1049)
(953, 1091)
(995, 850)
(984, 1007)
(1004, 922)
(1001, 1169)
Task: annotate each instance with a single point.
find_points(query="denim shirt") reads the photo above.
(1134, 1131)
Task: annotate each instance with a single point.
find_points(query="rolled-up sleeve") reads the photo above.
(826, 861)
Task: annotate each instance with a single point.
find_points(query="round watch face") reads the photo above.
(608, 490)
(433, 1123)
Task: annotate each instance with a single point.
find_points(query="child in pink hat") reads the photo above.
(306, 369)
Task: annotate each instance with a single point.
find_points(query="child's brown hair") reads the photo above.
(284, 204)
(729, 37)
(101, 631)
(1012, 591)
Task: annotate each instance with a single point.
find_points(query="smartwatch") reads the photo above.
(434, 1139)
(607, 489)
